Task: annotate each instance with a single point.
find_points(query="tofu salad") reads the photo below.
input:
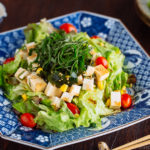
(62, 79)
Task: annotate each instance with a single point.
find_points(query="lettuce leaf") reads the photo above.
(15, 92)
(59, 121)
(6, 73)
(37, 32)
(12, 67)
(26, 107)
(91, 108)
(117, 78)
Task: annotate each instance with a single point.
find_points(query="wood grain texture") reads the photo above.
(22, 12)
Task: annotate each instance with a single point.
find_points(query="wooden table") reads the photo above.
(22, 12)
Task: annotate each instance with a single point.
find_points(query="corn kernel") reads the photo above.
(118, 52)
(101, 44)
(24, 97)
(100, 85)
(76, 115)
(64, 87)
(67, 77)
(39, 70)
(116, 90)
(108, 103)
(123, 90)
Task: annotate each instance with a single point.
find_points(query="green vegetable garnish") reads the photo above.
(60, 55)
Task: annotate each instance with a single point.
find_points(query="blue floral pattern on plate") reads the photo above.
(113, 31)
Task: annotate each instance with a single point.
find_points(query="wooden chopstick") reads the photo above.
(137, 145)
(134, 144)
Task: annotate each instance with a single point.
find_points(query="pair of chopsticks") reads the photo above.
(135, 144)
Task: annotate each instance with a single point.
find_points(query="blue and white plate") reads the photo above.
(137, 62)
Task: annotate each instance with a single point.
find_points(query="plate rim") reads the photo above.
(78, 140)
(94, 135)
(88, 12)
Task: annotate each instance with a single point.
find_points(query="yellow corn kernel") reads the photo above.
(67, 77)
(123, 90)
(76, 115)
(100, 85)
(108, 103)
(101, 44)
(64, 87)
(118, 52)
(39, 70)
(116, 90)
(24, 97)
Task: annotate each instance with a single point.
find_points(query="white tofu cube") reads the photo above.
(56, 102)
(23, 54)
(30, 46)
(90, 71)
(115, 100)
(21, 74)
(75, 90)
(31, 58)
(36, 83)
(101, 73)
(80, 79)
(88, 84)
(67, 97)
(52, 90)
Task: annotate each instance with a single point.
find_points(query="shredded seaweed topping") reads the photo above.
(59, 54)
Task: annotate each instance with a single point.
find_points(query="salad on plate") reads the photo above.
(62, 79)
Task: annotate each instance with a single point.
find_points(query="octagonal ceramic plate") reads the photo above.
(137, 62)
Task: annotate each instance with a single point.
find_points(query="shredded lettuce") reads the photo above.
(6, 72)
(15, 92)
(12, 67)
(59, 121)
(37, 32)
(117, 78)
(91, 108)
(26, 107)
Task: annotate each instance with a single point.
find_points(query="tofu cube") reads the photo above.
(36, 83)
(75, 90)
(115, 100)
(56, 102)
(21, 74)
(31, 58)
(88, 84)
(30, 46)
(23, 54)
(90, 71)
(101, 73)
(52, 90)
(80, 79)
(67, 97)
